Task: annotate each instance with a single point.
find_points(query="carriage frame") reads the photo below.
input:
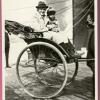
(66, 59)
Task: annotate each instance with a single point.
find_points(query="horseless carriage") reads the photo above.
(48, 71)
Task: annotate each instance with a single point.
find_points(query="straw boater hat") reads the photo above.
(42, 4)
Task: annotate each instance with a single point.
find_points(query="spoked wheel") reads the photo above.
(42, 77)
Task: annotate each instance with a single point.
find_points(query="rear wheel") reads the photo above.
(42, 76)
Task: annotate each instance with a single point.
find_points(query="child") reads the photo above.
(52, 23)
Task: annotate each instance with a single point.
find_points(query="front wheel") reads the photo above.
(42, 77)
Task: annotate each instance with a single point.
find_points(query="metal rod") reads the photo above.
(85, 59)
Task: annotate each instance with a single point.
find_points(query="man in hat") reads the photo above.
(38, 20)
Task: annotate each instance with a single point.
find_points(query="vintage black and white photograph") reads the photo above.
(49, 50)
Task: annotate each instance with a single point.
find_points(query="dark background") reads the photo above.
(81, 32)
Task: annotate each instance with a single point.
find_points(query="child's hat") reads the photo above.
(51, 11)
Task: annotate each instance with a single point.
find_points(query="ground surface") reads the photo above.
(80, 89)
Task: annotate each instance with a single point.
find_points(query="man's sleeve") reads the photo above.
(35, 24)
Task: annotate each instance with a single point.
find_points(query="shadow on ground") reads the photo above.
(82, 89)
(10, 94)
